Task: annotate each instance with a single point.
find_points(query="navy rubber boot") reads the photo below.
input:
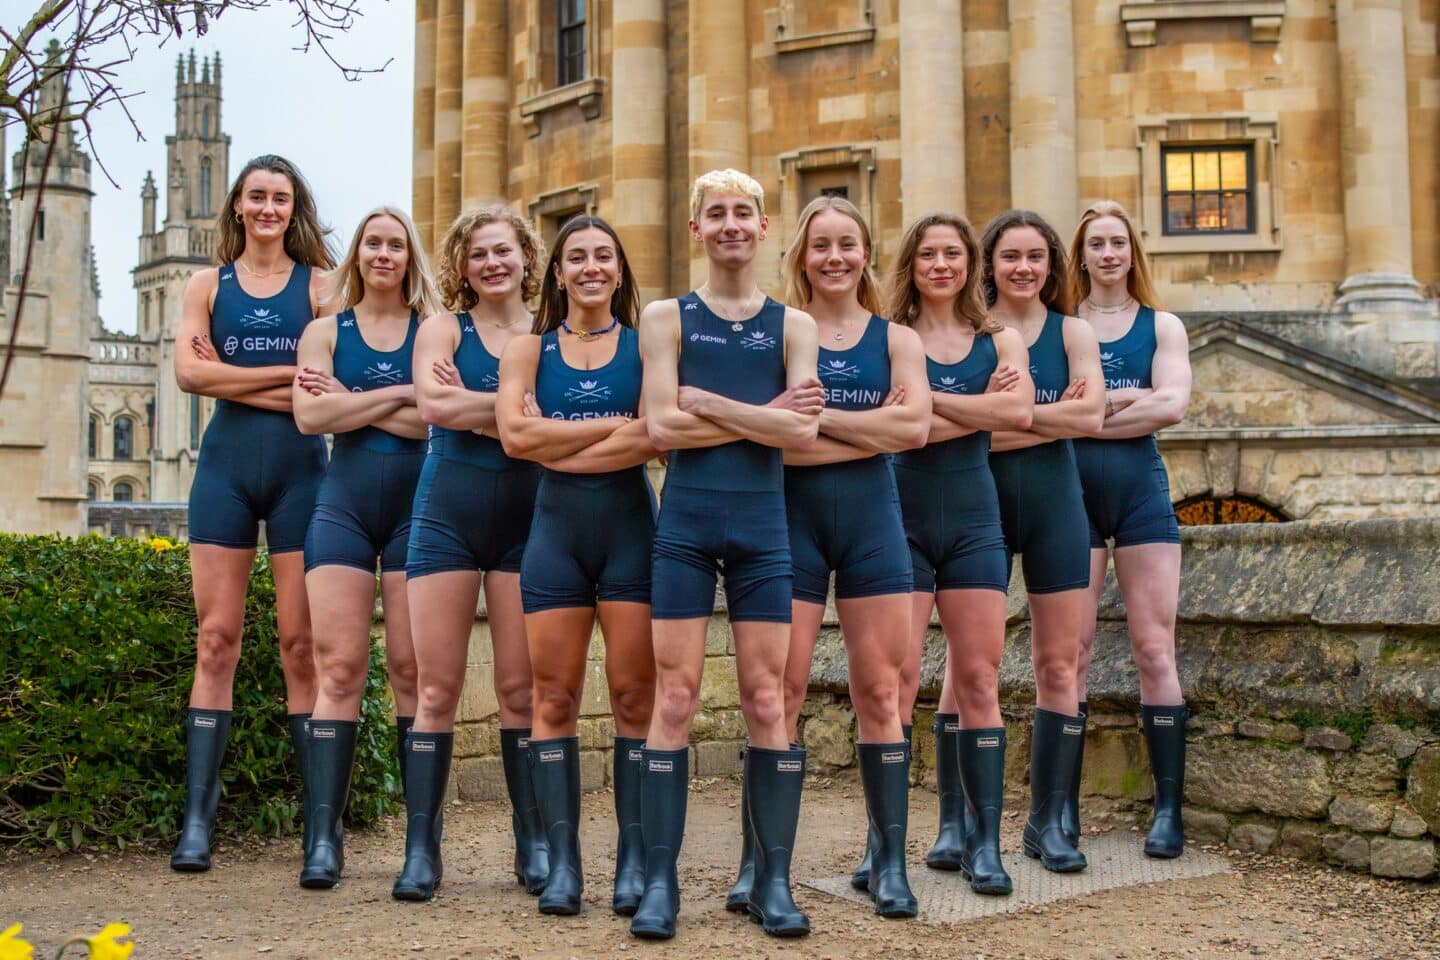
(532, 852)
(206, 732)
(1070, 817)
(982, 770)
(776, 779)
(330, 758)
(1054, 744)
(949, 847)
(860, 879)
(1165, 741)
(738, 899)
(885, 774)
(427, 769)
(664, 793)
(627, 775)
(555, 772)
(298, 724)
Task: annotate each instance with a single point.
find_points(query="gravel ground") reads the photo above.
(250, 905)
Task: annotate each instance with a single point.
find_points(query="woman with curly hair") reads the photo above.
(471, 518)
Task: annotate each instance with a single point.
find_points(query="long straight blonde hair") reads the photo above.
(1137, 281)
(417, 287)
(798, 292)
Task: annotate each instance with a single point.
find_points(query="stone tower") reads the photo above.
(42, 426)
(197, 178)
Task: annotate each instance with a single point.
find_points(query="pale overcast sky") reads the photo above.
(350, 139)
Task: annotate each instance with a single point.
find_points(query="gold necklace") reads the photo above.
(1129, 301)
(260, 276)
(736, 325)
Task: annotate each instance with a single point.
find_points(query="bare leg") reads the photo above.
(1056, 620)
(760, 652)
(559, 640)
(1099, 560)
(1149, 577)
(399, 643)
(679, 662)
(342, 600)
(805, 618)
(442, 613)
(220, 576)
(877, 641)
(974, 622)
(292, 622)
(512, 653)
(921, 604)
(629, 664)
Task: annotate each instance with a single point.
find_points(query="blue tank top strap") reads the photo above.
(1049, 364)
(479, 370)
(745, 361)
(251, 331)
(858, 378)
(1126, 362)
(362, 368)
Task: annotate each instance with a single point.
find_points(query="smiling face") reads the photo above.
(730, 227)
(495, 264)
(589, 268)
(1021, 263)
(265, 204)
(1107, 251)
(384, 253)
(835, 255)
(941, 265)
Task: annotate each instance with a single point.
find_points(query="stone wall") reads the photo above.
(1310, 656)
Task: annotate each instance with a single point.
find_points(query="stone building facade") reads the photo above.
(1276, 155)
(94, 416)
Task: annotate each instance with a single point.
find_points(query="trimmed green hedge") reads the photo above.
(97, 652)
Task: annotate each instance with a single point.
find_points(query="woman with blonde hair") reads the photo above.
(355, 382)
(1041, 507)
(570, 399)
(976, 370)
(240, 324)
(844, 518)
(1145, 356)
(472, 515)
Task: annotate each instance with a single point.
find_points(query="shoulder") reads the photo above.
(903, 338)
(320, 330)
(1006, 338)
(205, 280)
(1078, 330)
(523, 345)
(659, 313)
(1168, 326)
(799, 321)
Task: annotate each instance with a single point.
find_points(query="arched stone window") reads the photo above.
(1207, 510)
(205, 178)
(124, 492)
(92, 490)
(94, 436)
(124, 438)
(205, 122)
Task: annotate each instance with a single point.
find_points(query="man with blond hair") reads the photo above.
(730, 380)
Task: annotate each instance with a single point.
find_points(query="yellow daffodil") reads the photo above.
(12, 947)
(161, 544)
(106, 944)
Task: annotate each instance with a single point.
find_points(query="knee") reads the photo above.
(1055, 674)
(513, 693)
(795, 692)
(764, 708)
(437, 696)
(403, 674)
(979, 688)
(555, 704)
(677, 702)
(632, 703)
(343, 678)
(217, 649)
(1154, 654)
(875, 697)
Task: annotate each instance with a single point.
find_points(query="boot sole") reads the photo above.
(318, 882)
(189, 865)
(1162, 853)
(560, 909)
(860, 881)
(414, 894)
(786, 932)
(939, 863)
(645, 932)
(1054, 866)
(737, 903)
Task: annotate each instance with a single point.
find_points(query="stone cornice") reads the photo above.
(1141, 19)
(586, 94)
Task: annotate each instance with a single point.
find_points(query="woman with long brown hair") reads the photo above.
(1145, 357)
(977, 375)
(355, 383)
(844, 518)
(570, 399)
(240, 326)
(1041, 507)
(471, 517)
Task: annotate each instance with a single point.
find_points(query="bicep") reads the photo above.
(1010, 351)
(802, 350)
(660, 356)
(517, 375)
(907, 367)
(1170, 368)
(316, 348)
(1082, 352)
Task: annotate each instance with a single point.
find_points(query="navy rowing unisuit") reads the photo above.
(845, 517)
(1127, 492)
(947, 494)
(256, 464)
(1041, 507)
(591, 536)
(473, 503)
(363, 511)
(724, 506)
